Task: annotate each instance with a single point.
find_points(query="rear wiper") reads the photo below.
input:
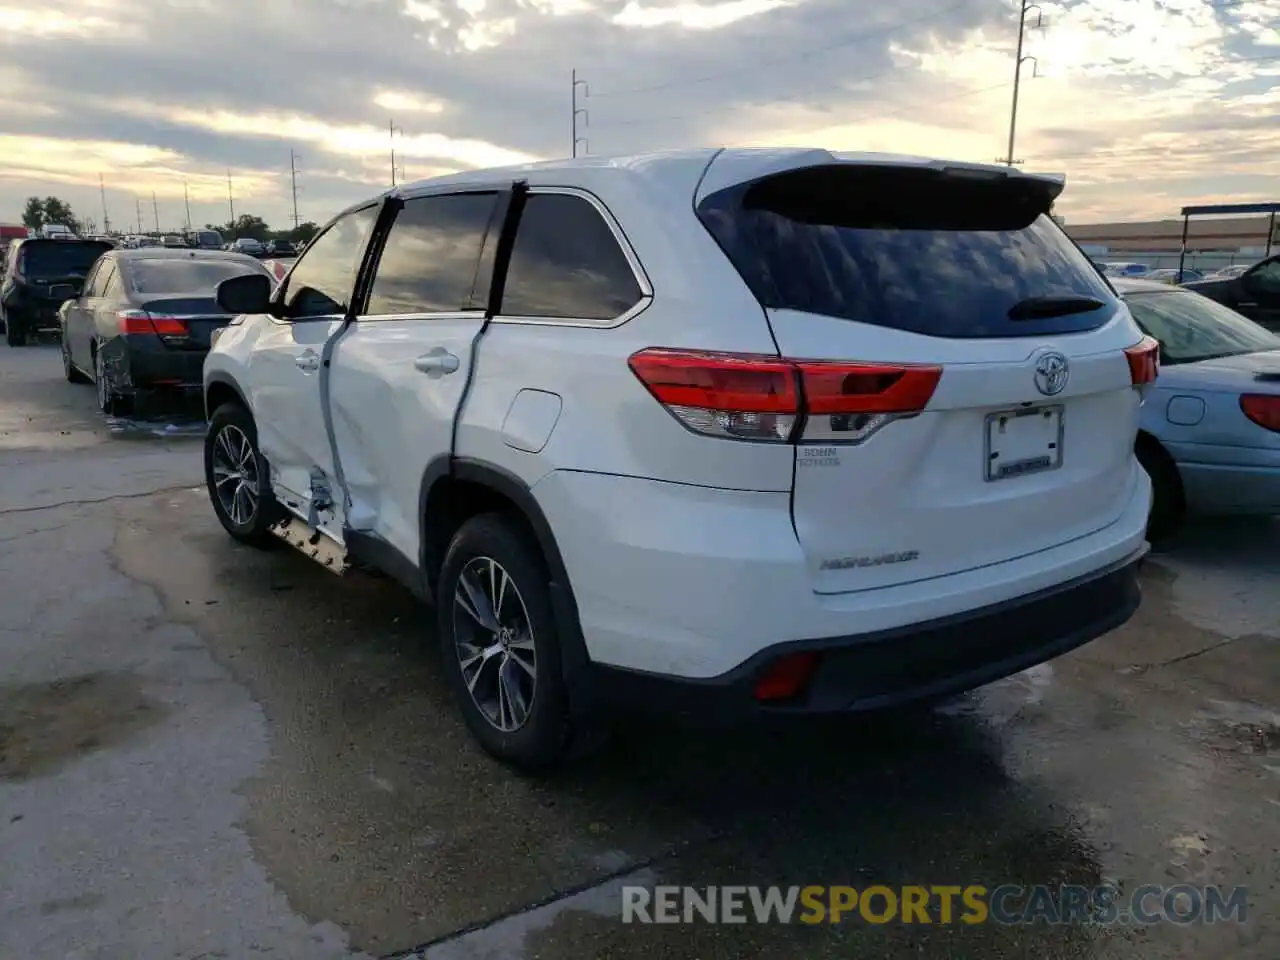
(1042, 308)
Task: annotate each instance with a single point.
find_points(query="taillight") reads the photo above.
(139, 321)
(1263, 409)
(1144, 361)
(756, 397)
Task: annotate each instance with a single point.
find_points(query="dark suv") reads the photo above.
(40, 275)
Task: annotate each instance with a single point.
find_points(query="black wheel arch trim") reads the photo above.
(575, 663)
(222, 380)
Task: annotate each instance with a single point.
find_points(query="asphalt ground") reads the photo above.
(210, 751)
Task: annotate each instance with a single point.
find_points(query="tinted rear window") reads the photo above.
(184, 276)
(60, 258)
(915, 250)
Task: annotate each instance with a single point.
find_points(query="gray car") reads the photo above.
(1210, 427)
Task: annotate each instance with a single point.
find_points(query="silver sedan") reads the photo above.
(1210, 427)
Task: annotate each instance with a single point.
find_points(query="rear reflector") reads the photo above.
(756, 397)
(1263, 409)
(139, 321)
(1144, 361)
(787, 676)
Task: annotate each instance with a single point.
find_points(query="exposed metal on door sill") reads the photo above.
(310, 541)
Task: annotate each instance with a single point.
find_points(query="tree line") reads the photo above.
(40, 211)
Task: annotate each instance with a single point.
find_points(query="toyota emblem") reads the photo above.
(1052, 374)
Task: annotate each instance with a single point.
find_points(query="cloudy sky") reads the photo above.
(1144, 104)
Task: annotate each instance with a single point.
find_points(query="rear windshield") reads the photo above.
(52, 259)
(208, 236)
(916, 250)
(1191, 327)
(184, 276)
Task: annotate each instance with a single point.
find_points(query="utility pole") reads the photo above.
(392, 130)
(231, 203)
(187, 199)
(102, 189)
(578, 112)
(155, 210)
(1023, 9)
(138, 203)
(293, 177)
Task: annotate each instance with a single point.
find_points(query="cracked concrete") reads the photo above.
(211, 751)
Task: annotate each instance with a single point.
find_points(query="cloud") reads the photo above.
(1145, 104)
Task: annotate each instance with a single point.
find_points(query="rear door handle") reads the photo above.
(308, 362)
(439, 362)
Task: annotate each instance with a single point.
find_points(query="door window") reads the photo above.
(566, 263)
(322, 280)
(429, 261)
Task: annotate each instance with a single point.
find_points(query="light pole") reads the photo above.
(1023, 9)
(392, 130)
(578, 112)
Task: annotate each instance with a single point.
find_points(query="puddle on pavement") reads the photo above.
(46, 726)
(121, 428)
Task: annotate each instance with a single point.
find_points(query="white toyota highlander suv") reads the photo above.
(720, 432)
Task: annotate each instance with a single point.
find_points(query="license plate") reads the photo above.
(1020, 442)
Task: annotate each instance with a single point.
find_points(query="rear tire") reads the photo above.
(1168, 505)
(236, 477)
(15, 331)
(110, 401)
(502, 660)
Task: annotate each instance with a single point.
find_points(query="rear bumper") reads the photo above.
(925, 661)
(146, 363)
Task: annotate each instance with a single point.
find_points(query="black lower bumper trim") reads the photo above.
(920, 662)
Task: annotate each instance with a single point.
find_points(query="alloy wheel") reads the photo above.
(235, 475)
(494, 643)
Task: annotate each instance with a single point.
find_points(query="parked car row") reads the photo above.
(1170, 275)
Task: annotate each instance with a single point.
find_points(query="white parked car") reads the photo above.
(738, 432)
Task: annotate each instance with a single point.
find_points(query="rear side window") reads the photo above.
(428, 263)
(322, 281)
(915, 250)
(567, 264)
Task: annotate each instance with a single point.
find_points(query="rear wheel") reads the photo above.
(236, 477)
(500, 647)
(1168, 505)
(15, 331)
(110, 401)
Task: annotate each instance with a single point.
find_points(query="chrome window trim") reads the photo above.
(421, 315)
(633, 261)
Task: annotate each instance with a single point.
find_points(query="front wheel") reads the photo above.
(69, 369)
(500, 647)
(235, 475)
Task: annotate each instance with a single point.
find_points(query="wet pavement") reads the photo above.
(209, 751)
